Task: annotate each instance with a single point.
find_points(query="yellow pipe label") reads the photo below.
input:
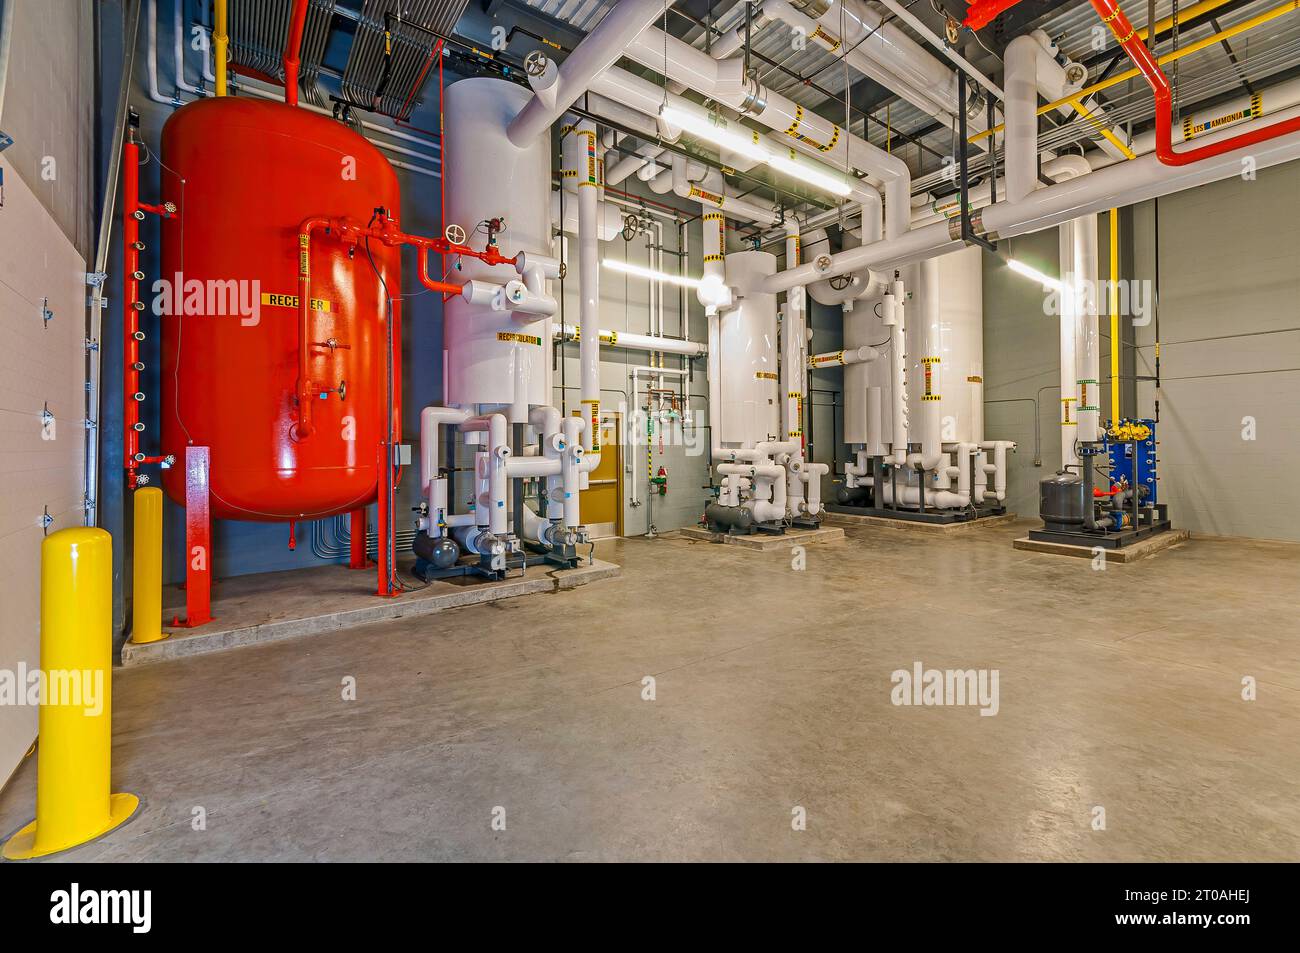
(291, 301)
(519, 338)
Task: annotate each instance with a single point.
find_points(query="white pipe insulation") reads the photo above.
(599, 50)
(798, 128)
(1122, 184)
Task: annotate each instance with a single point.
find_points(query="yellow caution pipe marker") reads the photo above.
(220, 43)
(74, 803)
(146, 587)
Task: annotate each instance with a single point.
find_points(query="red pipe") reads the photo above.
(303, 387)
(292, 47)
(130, 318)
(1137, 51)
(348, 231)
(133, 212)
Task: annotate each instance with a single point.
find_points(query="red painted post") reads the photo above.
(198, 539)
(384, 529)
(358, 522)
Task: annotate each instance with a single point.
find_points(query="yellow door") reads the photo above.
(602, 504)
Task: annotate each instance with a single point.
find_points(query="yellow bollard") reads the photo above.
(146, 586)
(73, 801)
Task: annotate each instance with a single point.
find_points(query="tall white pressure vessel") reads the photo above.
(492, 354)
(949, 341)
(750, 386)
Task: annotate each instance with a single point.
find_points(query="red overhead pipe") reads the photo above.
(1146, 64)
(983, 12)
(292, 47)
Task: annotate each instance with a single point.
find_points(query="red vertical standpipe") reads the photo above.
(131, 216)
(292, 44)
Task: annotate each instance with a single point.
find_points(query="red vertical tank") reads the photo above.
(244, 174)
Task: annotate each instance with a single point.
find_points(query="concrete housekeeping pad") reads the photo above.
(1139, 550)
(267, 607)
(914, 526)
(766, 542)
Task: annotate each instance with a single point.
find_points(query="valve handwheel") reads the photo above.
(454, 234)
(535, 63)
(840, 282)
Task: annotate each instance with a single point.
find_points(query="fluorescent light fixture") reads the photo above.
(628, 268)
(834, 184)
(744, 141)
(735, 138)
(1034, 274)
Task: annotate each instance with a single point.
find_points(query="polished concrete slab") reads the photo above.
(764, 542)
(267, 607)
(1128, 554)
(1119, 689)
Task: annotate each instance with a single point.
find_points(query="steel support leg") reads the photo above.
(358, 556)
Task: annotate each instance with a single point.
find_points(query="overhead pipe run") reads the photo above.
(596, 53)
(798, 129)
(1126, 35)
(1122, 184)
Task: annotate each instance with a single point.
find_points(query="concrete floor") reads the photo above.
(1119, 689)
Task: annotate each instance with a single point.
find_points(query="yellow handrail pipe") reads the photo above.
(220, 42)
(74, 803)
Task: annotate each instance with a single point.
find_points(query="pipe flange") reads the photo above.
(755, 99)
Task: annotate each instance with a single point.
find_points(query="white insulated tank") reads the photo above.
(492, 353)
(954, 335)
(751, 384)
(949, 341)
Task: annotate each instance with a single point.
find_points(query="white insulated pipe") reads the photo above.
(1118, 185)
(798, 128)
(599, 50)
(931, 429)
(589, 193)
(490, 501)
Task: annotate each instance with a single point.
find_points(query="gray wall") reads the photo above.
(1229, 293)
(1229, 329)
